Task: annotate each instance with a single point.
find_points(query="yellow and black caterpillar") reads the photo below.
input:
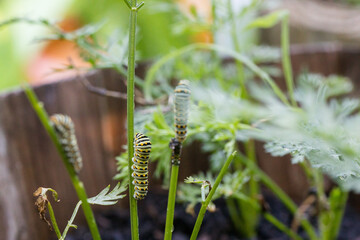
(182, 99)
(65, 131)
(142, 147)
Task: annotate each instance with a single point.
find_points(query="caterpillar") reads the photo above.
(142, 147)
(182, 98)
(65, 130)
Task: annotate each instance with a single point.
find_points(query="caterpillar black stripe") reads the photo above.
(142, 147)
(182, 99)
(65, 131)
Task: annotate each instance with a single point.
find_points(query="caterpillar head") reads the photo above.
(62, 123)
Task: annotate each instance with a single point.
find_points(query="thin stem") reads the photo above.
(284, 198)
(150, 77)
(70, 222)
(286, 62)
(130, 116)
(78, 185)
(205, 204)
(235, 40)
(53, 220)
(171, 202)
(274, 221)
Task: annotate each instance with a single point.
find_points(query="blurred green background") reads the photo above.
(18, 46)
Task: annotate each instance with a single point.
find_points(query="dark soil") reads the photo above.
(115, 225)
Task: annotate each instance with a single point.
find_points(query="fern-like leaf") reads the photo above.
(107, 197)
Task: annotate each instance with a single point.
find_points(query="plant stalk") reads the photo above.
(205, 204)
(279, 225)
(53, 220)
(235, 40)
(286, 61)
(71, 219)
(134, 222)
(78, 185)
(171, 202)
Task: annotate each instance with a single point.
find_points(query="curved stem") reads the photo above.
(150, 77)
(78, 185)
(53, 220)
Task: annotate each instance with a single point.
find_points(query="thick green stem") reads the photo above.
(130, 115)
(78, 185)
(171, 202)
(53, 220)
(338, 215)
(279, 225)
(205, 204)
(286, 62)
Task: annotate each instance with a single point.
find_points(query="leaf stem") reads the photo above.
(205, 204)
(279, 225)
(69, 224)
(286, 61)
(78, 185)
(53, 220)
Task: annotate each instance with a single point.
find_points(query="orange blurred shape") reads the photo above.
(203, 8)
(56, 55)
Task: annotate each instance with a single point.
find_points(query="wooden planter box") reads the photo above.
(28, 158)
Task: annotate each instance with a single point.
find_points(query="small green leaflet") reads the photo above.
(107, 197)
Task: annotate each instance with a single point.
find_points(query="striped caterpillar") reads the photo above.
(142, 147)
(182, 99)
(65, 131)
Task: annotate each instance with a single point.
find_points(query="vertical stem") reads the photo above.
(286, 61)
(205, 204)
(339, 213)
(53, 220)
(78, 185)
(235, 40)
(130, 117)
(171, 202)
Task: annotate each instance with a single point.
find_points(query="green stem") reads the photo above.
(205, 204)
(53, 220)
(78, 185)
(274, 221)
(130, 115)
(284, 198)
(235, 41)
(151, 74)
(286, 62)
(339, 213)
(171, 202)
(234, 213)
(70, 222)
